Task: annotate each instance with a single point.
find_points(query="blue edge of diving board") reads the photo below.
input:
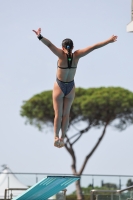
(47, 187)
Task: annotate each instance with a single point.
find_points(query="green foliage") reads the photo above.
(73, 197)
(99, 105)
(129, 183)
(39, 109)
(87, 191)
(94, 105)
(107, 186)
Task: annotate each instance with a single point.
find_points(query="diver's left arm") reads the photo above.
(83, 52)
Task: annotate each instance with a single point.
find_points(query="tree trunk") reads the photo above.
(79, 191)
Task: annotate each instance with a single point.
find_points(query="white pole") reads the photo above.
(132, 11)
(130, 25)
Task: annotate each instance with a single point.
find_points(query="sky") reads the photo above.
(28, 67)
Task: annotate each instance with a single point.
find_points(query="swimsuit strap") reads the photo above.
(69, 61)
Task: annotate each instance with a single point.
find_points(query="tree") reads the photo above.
(129, 183)
(96, 107)
(111, 186)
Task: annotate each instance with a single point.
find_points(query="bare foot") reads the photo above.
(61, 142)
(56, 142)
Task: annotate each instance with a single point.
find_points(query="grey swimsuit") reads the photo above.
(66, 87)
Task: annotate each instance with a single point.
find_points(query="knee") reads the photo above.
(65, 116)
(58, 115)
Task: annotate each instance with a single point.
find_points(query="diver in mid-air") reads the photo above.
(64, 86)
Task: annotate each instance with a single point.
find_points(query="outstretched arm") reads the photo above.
(83, 52)
(53, 48)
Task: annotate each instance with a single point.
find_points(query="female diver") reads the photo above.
(64, 87)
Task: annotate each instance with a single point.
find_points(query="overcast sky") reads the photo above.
(27, 67)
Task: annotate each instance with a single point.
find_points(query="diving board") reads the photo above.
(130, 25)
(47, 187)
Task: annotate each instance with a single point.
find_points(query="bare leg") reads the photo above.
(65, 116)
(58, 109)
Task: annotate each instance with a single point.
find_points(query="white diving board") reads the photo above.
(130, 25)
(47, 187)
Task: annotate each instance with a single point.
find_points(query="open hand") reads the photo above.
(113, 38)
(38, 32)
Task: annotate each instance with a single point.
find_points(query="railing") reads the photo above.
(89, 181)
(11, 194)
(113, 194)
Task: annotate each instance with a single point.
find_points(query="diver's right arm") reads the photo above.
(58, 52)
